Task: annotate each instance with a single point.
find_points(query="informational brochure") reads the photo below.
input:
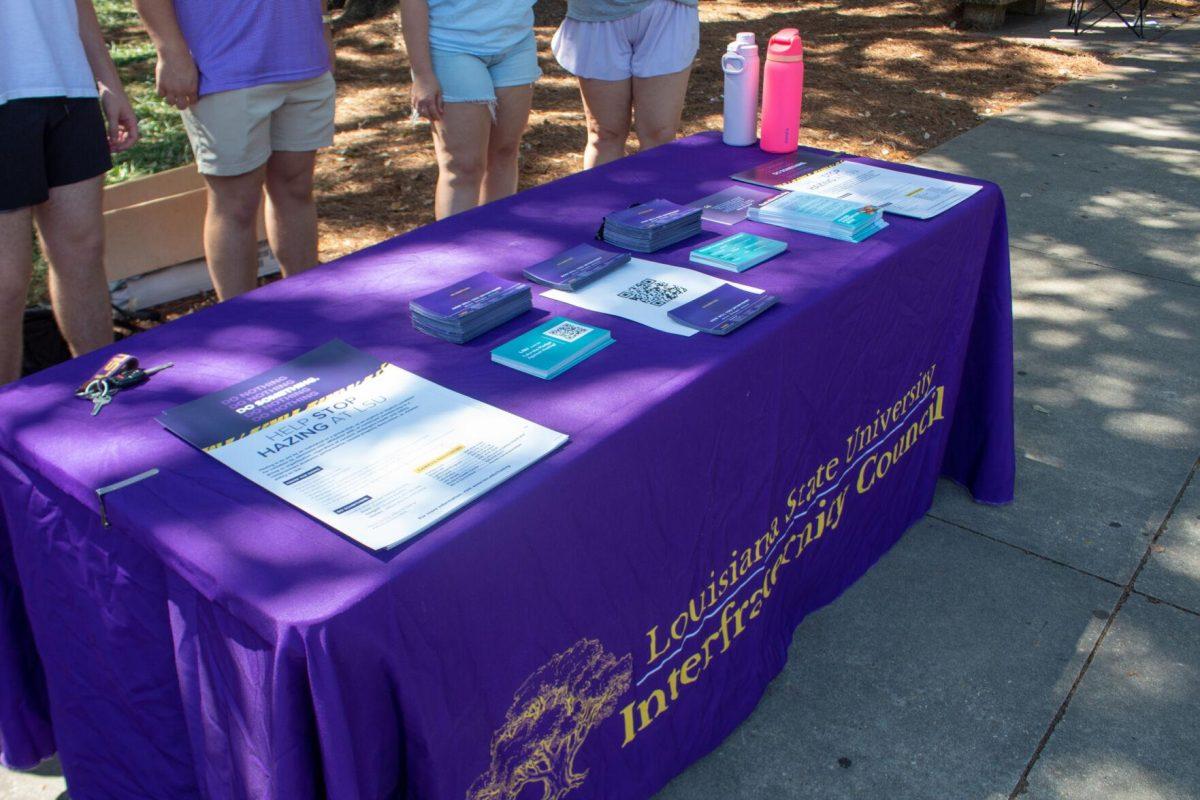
(844, 220)
(573, 268)
(470, 307)
(646, 292)
(729, 206)
(892, 191)
(552, 348)
(723, 310)
(738, 253)
(779, 172)
(371, 450)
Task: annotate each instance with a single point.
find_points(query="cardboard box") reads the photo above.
(156, 222)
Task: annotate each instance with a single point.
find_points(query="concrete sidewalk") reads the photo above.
(1051, 648)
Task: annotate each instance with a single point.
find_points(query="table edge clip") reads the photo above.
(112, 487)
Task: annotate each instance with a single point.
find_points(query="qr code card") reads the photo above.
(567, 331)
(652, 292)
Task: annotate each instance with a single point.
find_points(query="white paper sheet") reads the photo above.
(645, 291)
(898, 192)
(385, 459)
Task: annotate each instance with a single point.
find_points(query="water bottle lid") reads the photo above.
(786, 46)
(745, 37)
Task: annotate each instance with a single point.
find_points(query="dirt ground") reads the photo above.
(884, 78)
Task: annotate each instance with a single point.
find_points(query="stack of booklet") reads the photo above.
(824, 216)
(652, 226)
(576, 267)
(460, 312)
(780, 173)
(552, 348)
(908, 194)
(729, 206)
(722, 310)
(739, 252)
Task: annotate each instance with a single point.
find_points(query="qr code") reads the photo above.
(567, 331)
(652, 292)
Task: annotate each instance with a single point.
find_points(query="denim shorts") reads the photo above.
(467, 78)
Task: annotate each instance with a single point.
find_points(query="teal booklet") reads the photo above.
(552, 348)
(739, 252)
(824, 216)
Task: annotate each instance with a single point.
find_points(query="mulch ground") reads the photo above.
(883, 79)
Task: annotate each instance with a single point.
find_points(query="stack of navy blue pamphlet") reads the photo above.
(722, 310)
(576, 267)
(460, 312)
(652, 226)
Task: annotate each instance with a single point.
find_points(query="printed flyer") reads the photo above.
(645, 292)
(895, 192)
(371, 450)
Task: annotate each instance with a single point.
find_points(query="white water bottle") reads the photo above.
(741, 66)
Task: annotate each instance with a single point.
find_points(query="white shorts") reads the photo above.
(660, 39)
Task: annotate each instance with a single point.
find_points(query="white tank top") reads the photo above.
(40, 51)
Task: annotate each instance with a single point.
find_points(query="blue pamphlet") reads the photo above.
(651, 214)
(464, 298)
(552, 348)
(651, 226)
(729, 206)
(722, 310)
(471, 307)
(573, 268)
(739, 252)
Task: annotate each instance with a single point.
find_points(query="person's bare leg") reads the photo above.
(291, 210)
(504, 142)
(16, 268)
(460, 138)
(658, 105)
(230, 235)
(71, 225)
(607, 105)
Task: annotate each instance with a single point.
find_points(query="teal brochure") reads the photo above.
(552, 347)
(739, 252)
(823, 216)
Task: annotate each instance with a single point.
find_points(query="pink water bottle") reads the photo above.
(783, 91)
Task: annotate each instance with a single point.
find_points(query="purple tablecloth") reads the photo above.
(585, 630)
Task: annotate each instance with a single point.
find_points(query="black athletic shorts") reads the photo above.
(47, 142)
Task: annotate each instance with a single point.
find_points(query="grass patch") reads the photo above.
(164, 142)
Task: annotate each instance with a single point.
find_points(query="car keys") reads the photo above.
(121, 362)
(120, 372)
(135, 376)
(99, 402)
(100, 393)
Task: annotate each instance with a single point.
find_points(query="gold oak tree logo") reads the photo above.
(550, 718)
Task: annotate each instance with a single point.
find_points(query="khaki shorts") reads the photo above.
(236, 131)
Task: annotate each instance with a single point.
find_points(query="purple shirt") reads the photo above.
(243, 43)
